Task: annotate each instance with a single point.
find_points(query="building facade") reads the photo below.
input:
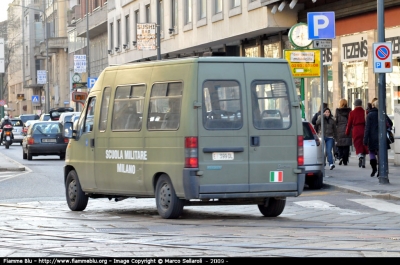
(41, 81)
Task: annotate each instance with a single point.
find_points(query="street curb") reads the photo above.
(12, 169)
(384, 196)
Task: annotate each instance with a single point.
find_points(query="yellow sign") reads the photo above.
(304, 63)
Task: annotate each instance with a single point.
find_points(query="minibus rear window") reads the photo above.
(222, 108)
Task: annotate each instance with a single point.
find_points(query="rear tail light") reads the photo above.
(31, 140)
(191, 152)
(66, 140)
(8, 133)
(300, 150)
(314, 134)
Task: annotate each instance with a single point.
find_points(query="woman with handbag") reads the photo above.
(343, 141)
(371, 135)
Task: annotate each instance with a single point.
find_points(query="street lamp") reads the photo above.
(46, 88)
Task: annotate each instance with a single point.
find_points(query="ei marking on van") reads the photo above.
(234, 147)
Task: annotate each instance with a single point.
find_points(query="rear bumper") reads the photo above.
(193, 190)
(311, 170)
(47, 149)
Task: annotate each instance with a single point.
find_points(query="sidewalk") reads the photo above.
(357, 180)
(348, 178)
(7, 164)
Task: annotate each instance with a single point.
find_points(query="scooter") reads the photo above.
(7, 135)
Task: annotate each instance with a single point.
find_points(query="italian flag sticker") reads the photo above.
(275, 176)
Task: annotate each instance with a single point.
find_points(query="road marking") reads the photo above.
(379, 205)
(325, 206)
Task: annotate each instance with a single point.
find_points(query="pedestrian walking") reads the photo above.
(343, 141)
(356, 126)
(315, 117)
(369, 105)
(371, 135)
(329, 133)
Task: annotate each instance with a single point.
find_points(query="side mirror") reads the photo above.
(68, 131)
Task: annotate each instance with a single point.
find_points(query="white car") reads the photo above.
(313, 159)
(18, 126)
(66, 116)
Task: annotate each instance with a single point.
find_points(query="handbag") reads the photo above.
(390, 136)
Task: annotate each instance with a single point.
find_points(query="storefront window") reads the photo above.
(251, 52)
(355, 81)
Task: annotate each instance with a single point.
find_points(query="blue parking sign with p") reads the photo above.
(91, 81)
(321, 25)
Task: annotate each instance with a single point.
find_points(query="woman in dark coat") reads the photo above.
(343, 141)
(356, 126)
(330, 133)
(371, 135)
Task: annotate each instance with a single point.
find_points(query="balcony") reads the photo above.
(97, 23)
(53, 44)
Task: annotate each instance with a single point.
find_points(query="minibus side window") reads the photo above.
(85, 123)
(128, 108)
(222, 108)
(165, 106)
(270, 102)
(105, 103)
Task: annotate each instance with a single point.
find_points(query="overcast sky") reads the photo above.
(3, 9)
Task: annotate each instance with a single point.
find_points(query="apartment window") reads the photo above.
(111, 36)
(26, 56)
(188, 11)
(235, 3)
(161, 16)
(37, 18)
(136, 22)
(118, 33)
(174, 13)
(148, 15)
(218, 6)
(127, 29)
(203, 9)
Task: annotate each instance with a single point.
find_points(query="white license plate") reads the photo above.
(49, 140)
(223, 156)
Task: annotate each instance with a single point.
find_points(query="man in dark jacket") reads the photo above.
(5, 122)
(315, 117)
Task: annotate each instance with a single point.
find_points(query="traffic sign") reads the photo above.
(322, 44)
(382, 52)
(35, 99)
(91, 81)
(321, 25)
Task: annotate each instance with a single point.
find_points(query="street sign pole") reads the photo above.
(382, 153)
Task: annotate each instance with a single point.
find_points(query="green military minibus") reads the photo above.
(191, 131)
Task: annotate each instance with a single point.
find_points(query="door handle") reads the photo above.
(92, 143)
(255, 140)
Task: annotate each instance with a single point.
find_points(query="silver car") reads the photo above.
(18, 126)
(313, 160)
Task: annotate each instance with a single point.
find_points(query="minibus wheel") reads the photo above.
(273, 207)
(77, 200)
(169, 206)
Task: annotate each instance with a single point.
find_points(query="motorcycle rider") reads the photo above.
(5, 122)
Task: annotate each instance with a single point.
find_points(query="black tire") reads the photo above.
(7, 146)
(77, 200)
(317, 182)
(169, 206)
(275, 207)
(62, 156)
(20, 143)
(28, 154)
(24, 156)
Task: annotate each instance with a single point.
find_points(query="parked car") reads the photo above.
(27, 117)
(55, 113)
(44, 138)
(44, 117)
(18, 126)
(313, 159)
(66, 116)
